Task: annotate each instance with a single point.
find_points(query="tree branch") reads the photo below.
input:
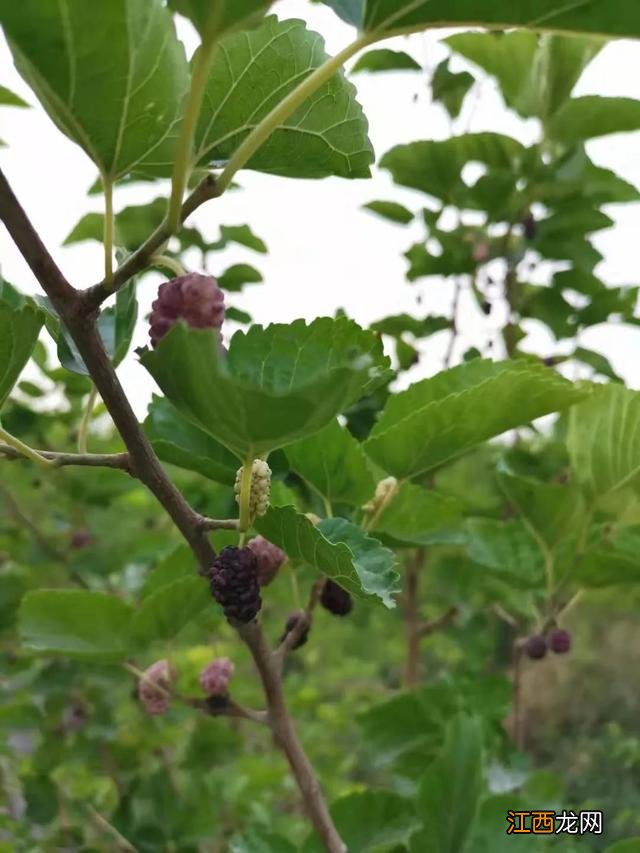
(141, 258)
(70, 305)
(286, 737)
(437, 624)
(62, 460)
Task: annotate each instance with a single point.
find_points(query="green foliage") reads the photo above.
(19, 329)
(278, 384)
(437, 419)
(57, 49)
(384, 59)
(336, 548)
(251, 73)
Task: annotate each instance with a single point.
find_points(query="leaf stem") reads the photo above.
(263, 130)
(245, 497)
(184, 153)
(108, 230)
(170, 263)
(24, 449)
(83, 429)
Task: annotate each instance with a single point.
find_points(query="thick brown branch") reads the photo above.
(224, 706)
(62, 460)
(140, 259)
(286, 737)
(82, 327)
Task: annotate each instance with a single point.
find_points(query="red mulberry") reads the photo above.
(194, 298)
(269, 557)
(535, 647)
(559, 641)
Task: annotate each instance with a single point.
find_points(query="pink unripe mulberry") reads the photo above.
(269, 557)
(194, 298)
(154, 686)
(215, 677)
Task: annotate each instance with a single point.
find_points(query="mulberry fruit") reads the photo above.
(214, 678)
(535, 647)
(529, 226)
(335, 599)
(260, 488)
(269, 557)
(384, 492)
(158, 675)
(559, 641)
(81, 538)
(234, 583)
(194, 298)
(291, 623)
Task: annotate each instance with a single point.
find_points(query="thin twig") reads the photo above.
(206, 523)
(62, 460)
(303, 624)
(140, 259)
(438, 624)
(453, 337)
(101, 821)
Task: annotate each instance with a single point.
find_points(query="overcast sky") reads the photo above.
(324, 250)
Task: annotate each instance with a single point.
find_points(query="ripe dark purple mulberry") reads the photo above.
(335, 599)
(529, 226)
(559, 641)
(194, 298)
(269, 557)
(81, 538)
(291, 623)
(536, 647)
(234, 583)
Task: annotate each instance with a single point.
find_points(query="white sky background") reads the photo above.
(325, 252)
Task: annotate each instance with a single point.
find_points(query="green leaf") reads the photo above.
(435, 167)
(252, 72)
(240, 234)
(391, 17)
(133, 225)
(536, 75)
(384, 59)
(416, 516)
(277, 384)
(176, 565)
(232, 313)
(10, 99)
(440, 418)
(450, 88)
(115, 89)
(235, 277)
(397, 324)
(553, 512)
(76, 623)
(260, 841)
(336, 548)
(593, 115)
(116, 325)
(597, 361)
(333, 462)
(19, 330)
(450, 790)
(373, 821)
(390, 210)
(166, 611)
(226, 15)
(508, 549)
(608, 565)
(603, 442)
(180, 442)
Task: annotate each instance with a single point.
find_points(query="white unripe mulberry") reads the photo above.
(260, 488)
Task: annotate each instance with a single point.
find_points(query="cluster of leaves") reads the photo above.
(95, 584)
